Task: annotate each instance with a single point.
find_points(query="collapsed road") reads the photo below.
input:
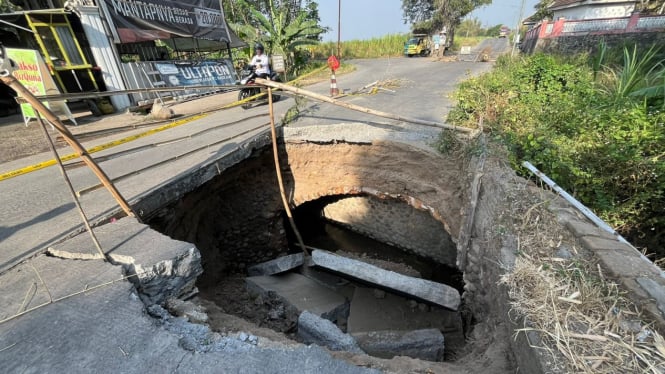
(196, 287)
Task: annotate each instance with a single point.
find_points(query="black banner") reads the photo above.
(142, 20)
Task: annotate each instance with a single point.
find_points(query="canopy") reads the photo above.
(203, 45)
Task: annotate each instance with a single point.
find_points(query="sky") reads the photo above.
(365, 19)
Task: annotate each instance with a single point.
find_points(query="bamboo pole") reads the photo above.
(285, 202)
(359, 108)
(12, 82)
(86, 222)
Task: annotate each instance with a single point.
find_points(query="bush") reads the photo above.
(608, 153)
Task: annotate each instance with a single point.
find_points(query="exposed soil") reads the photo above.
(230, 297)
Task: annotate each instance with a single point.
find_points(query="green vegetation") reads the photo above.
(431, 16)
(470, 41)
(283, 27)
(594, 125)
(386, 46)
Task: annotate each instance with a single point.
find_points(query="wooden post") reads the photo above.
(12, 82)
(359, 108)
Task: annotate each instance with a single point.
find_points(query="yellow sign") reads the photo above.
(31, 71)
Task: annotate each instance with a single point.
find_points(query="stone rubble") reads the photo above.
(425, 344)
(334, 311)
(313, 329)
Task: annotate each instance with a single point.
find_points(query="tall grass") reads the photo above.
(385, 46)
(460, 41)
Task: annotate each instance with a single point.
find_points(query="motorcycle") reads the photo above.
(248, 78)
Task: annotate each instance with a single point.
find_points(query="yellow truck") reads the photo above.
(418, 45)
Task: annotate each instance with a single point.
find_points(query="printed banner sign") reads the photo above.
(33, 74)
(146, 20)
(193, 73)
(278, 63)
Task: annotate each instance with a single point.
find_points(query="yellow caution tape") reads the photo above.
(98, 148)
(111, 144)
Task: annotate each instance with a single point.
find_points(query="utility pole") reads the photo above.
(339, 27)
(517, 29)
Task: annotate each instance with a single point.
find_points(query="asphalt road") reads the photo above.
(38, 210)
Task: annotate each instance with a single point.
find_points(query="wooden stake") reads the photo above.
(285, 202)
(12, 82)
(86, 222)
(359, 108)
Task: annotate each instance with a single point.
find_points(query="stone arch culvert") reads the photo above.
(402, 208)
(409, 200)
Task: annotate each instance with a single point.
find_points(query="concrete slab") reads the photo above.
(423, 344)
(43, 278)
(301, 293)
(429, 291)
(655, 290)
(391, 312)
(313, 329)
(107, 331)
(581, 228)
(596, 243)
(165, 267)
(278, 265)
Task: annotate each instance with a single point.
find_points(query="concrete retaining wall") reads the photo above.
(574, 44)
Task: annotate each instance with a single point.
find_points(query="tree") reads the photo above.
(282, 26)
(543, 10)
(440, 14)
(7, 6)
(493, 31)
(470, 27)
(651, 6)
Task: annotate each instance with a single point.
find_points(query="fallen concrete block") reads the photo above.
(179, 308)
(276, 266)
(422, 289)
(301, 293)
(313, 329)
(422, 344)
(374, 311)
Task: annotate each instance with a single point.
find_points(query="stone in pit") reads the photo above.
(422, 289)
(423, 344)
(276, 266)
(301, 293)
(313, 329)
(372, 312)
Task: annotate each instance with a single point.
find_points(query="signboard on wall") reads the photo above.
(33, 74)
(145, 20)
(196, 73)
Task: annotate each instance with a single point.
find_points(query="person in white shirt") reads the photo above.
(261, 62)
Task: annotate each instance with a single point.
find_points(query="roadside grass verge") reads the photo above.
(585, 322)
(597, 127)
(599, 141)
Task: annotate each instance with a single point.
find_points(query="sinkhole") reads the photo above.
(383, 206)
